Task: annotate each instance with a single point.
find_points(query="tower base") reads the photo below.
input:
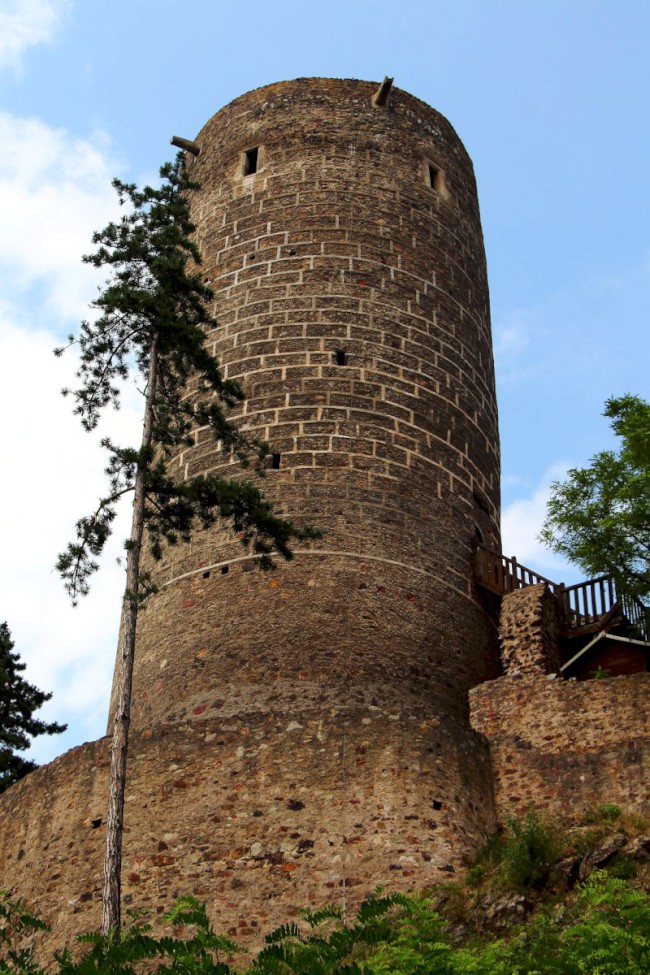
(215, 809)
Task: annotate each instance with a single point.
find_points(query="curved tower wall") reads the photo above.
(339, 243)
(302, 736)
(350, 666)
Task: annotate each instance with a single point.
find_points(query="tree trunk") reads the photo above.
(111, 915)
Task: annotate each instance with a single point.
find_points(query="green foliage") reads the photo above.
(417, 942)
(153, 322)
(192, 948)
(154, 316)
(17, 923)
(18, 701)
(623, 868)
(600, 517)
(607, 932)
(521, 856)
(290, 951)
(530, 850)
(604, 931)
(120, 952)
(600, 673)
(609, 812)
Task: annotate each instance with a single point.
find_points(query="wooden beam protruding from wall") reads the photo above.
(381, 95)
(185, 144)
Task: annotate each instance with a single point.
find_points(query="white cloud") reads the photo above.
(521, 523)
(514, 335)
(52, 476)
(54, 192)
(24, 23)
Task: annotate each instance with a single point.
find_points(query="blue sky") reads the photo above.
(550, 99)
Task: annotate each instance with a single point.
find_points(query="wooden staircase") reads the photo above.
(584, 610)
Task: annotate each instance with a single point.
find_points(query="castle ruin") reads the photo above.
(302, 736)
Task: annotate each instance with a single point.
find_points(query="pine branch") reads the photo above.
(79, 562)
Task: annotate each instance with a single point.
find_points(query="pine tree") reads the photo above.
(153, 320)
(18, 701)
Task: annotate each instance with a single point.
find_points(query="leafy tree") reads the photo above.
(152, 324)
(605, 931)
(18, 701)
(192, 948)
(600, 517)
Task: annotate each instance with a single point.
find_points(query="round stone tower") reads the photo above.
(343, 243)
(301, 736)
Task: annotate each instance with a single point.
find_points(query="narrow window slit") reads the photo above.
(436, 178)
(340, 357)
(224, 570)
(251, 160)
(206, 575)
(275, 461)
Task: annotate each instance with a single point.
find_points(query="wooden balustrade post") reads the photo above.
(560, 595)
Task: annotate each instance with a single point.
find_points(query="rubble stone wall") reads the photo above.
(562, 745)
(528, 631)
(257, 815)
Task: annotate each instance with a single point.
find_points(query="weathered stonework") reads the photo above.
(337, 242)
(300, 737)
(255, 815)
(528, 631)
(561, 745)
(303, 736)
(566, 746)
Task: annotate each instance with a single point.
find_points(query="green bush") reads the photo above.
(521, 856)
(289, 951)
(608, 813)
(623, 868)
(530, 851)
(17, 924)
(607, 933)
(131, 951)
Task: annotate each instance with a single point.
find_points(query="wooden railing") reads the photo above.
(588, 603)
(501, 574)
(638, 616)
(585, 606)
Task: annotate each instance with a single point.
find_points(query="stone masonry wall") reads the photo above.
(306, 732)
(339, 242)
(255, 815)
(528, 631)
(566, 745)
(562, 745)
